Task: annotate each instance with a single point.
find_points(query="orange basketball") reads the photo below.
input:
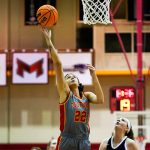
(47, 15)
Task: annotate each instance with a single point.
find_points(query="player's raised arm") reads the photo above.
(98, 96)
(63, 88)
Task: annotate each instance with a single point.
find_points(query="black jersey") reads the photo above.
(120, 146)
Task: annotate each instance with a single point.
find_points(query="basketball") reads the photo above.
(47, 15)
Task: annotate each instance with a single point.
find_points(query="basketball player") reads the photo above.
(122, 137)
(74, 104)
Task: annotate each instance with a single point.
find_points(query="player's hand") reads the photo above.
(47, 35)
(47, 32)
(91, 69)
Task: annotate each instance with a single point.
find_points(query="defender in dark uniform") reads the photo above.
(120, 146)
(74, 104)
(122, 138)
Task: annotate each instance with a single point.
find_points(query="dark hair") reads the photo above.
(81, 88)
(130, 134)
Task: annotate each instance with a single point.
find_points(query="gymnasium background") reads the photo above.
(30, 113)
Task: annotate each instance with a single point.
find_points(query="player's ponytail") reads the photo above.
(130, 134)
(81, 88)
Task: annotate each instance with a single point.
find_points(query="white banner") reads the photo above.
(3, 67)
(76, 63)
(30, 68)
